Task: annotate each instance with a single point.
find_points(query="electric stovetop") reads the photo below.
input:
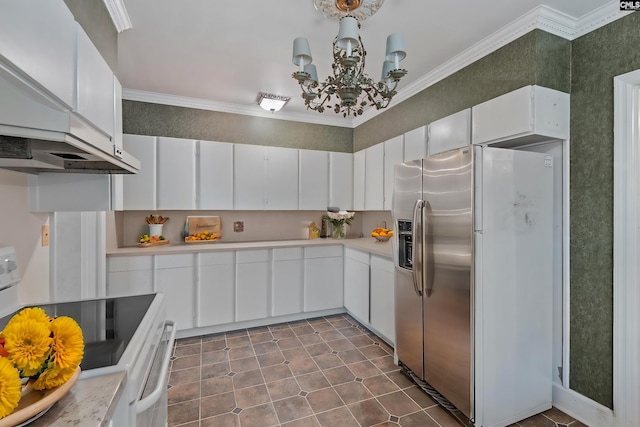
(107, 325)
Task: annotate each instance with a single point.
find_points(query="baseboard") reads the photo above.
(581, 408)
(206, 330)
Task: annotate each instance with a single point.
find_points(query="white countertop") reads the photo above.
(89, 403)
(366, 244)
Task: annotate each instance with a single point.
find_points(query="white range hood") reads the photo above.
(39, 134)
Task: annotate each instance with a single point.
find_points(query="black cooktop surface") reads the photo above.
(107, 325)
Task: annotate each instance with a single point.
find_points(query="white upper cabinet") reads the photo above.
(176, 173)
(358, 180)
(139, 190)
(282, 178)
(265, 177)
(69, 192)
(95, 94)
(40, 40)
(249, 172)
(450, 132)
(393, 155)
(117, 112)
(415, 144)
(374, 178)
(528, 114)
(341, 180)
(314, 180)
(215, 175)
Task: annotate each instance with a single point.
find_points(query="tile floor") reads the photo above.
(327, 371)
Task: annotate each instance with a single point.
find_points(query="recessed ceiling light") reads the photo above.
(271, 102)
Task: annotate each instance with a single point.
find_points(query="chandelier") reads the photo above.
(349, 87)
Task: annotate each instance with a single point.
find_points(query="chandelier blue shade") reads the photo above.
(349, 90)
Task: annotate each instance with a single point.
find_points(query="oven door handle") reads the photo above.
(148, 401)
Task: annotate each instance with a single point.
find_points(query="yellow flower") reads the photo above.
(68, 344)
(53, 377)
(28, 344)
(31, 314)
(10, 387)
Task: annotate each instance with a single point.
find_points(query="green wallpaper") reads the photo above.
(535, 58)
(596, 58)
(143, 118)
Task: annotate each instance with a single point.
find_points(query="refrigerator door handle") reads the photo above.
(427, 249)
(416, 238)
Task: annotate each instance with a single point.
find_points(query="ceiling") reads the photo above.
(221, 54)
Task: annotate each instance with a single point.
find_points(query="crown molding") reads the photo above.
(119, 14)
(541, 17)
(221, 107)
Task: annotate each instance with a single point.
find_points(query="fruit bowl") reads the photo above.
(381, 234)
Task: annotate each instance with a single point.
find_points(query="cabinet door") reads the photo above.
(176, 173)
(282, 178)
(358, 180)
(356, 284)
(374, 178)
(139, 190)
(341, 180)
(415, 144)
(532, 113)
(40, 40)
(450, 132)
(314, 180)
(249, 173)
(393, 155)
(252, 285)
(323, 283)
(382, 297)
(215, 175)
(174, 277)
(287, 283)
(94, 97)
(216, 288)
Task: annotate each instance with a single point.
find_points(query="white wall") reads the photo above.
(22, 230)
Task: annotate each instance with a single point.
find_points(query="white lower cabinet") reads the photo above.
(252, 284)
(287, 281)
(174, 277)
(129, 275)
(356, 284)
(382, 315)
(323, 278)
(216, 288)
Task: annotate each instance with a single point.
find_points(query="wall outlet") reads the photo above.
(238, 226)
(45, 235)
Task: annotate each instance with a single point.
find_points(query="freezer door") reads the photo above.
(447, 215)
(408, 302)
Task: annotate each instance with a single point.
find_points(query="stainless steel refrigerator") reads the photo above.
(473, 279)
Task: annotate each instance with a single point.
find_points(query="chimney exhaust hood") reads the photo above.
(39, 134)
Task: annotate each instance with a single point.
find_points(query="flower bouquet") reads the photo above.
(338, 220)
(45, 352)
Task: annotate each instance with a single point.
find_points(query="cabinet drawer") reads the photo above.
(283, 254)
(259, 255)
(216, 258)
(174, 261)
(362, 257)
(381, 263)
(323, 252)
(130, 263)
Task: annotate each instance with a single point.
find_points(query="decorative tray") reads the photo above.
(159, 242)
(34, 403)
